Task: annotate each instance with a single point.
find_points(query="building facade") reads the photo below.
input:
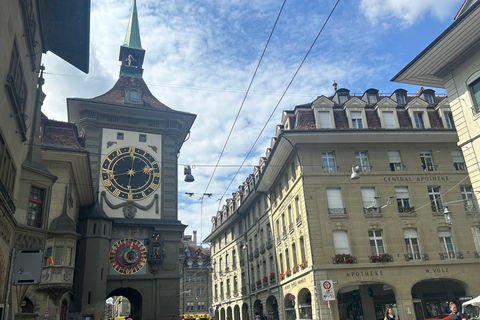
(196, 281)
(32, 189)
(348, 248)
(452, 62)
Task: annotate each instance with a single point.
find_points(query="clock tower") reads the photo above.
(131, 238)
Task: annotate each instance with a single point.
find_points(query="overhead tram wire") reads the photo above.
(238, 113)
(281, 98)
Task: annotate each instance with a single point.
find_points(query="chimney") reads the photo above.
(334, 85)
(194, 237)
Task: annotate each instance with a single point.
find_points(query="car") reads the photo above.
(444, 316)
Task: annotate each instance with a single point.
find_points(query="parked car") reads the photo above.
(444, 316)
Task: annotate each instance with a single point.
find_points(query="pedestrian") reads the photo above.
(456, 315)
(389, 315)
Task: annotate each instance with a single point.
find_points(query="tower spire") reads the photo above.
(131, 52)
(132, 38)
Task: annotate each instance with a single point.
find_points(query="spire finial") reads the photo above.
(132, 38)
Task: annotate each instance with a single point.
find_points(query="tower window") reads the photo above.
(119, 135)
(142, 138)
(133, 95)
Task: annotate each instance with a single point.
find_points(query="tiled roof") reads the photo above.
(60, 136)
(116, 95)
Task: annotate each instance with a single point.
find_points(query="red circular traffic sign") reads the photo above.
(292, 297)
(46, 313)
(327, 285)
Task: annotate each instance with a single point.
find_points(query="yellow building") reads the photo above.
(368, 243)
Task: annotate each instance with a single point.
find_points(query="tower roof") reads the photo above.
(132, 38)
(63, 223)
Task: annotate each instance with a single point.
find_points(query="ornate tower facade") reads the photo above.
(130, 247)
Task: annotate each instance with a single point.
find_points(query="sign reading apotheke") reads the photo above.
(364, 273)
(416, 179)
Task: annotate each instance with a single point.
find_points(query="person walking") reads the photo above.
(390, 315)
(456, 315)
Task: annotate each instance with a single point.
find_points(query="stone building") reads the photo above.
(196, 281)
(313, 243)
(32, 189)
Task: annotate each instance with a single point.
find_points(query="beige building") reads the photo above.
(33, 215)
(343, 248)
(196, 280)
(452, 61)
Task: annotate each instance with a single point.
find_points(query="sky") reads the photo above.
(201, 57)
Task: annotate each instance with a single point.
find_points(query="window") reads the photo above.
(290, 216)
(369, 201)
(356, 119)
(284, 225)
(372, 98)
(68, 256)
(200, 306)
(449, 120)
(340, 242)
(376, 242)
(287, 259)
(292, 169)
(35, 207)
(16, 83)
(475, 90)
(142, 138)
(435, 199)
(411, 241)
(476, 237)
(401, 99)
(133, 95)
(362, 161)
(446, 242)
(297, 205)
(119, 135)
(334, 199)
(232, 232)
(234, 259)
(469, 201)
(388, 120)
(395, 160)
(190, 306)
(201, 292)
(342, 98)
(324, 118)
(458, 160)
(302, 249)
(418, 119)
(427, 161)
(429, 98)
(294, 254)
(7, 169)
(48, 253)
(235, 284)
(403, 200)
(328, 161)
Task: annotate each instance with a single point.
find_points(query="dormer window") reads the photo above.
(356, 119)
(342, 98)
(325, 120)
(401, 99)
(372, 98)
(133, 95)
(429, 98)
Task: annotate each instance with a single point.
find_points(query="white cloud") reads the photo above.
(407, 12)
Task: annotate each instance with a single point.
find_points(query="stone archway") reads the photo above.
(431, 297)
(304, 301)
(134, 298)
(257, 308)
(271, 307)
(289, 307)
(236, 312)
(367, 300)
(245, 311)
(64, 310)
(222, 314)
(229, 313)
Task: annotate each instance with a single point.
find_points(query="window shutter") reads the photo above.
(457, 156)
(334, 198)
(401, 192)
(324, 117)
(340, 242)
(444, 233)
(388, 120)
(410, 233)
(394, 156)
(368, 195)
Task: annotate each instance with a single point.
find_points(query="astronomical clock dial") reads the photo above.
(130, 173)
(128, 256)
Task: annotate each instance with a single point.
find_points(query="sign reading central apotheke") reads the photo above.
(416, 179)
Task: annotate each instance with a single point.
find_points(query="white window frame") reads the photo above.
(329, 163)
(413, 245)
(403, 200)
(352, 107)
(419, 119)
(357, 120)
(476, 237)
(418, 106)
(340, 242)
(436, 201)
(362, 160)
(395, 160)
(446, 243)
(372, 98)
(334, 201)
(426, 158)
(325, 119)
(458, 160)
(369, 201)
(342, 98)
(403, 96)
(469, 200)
(377, 245)
(429, 98)
(387, 105)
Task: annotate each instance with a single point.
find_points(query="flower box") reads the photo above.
(265, 279)
(272, 275)
(343, 258)
(383, 257)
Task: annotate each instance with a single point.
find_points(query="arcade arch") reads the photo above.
(134, 299)
(271, 307)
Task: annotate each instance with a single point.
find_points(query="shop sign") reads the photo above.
(416, 179)
(367, 273)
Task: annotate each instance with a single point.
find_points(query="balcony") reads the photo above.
(279, 240)
(365, 168)
(262, 248)
(396, 167)
(337, 212)
(451, 255)
(284, 235)
(431, 167)
(244, 290)
(460, 166)
(256, 253)
(290, 228)
(250, 256)
(413, 256)
(330, 169)
(299, 220)
(406, 209)
(372, 210)
(269, 243)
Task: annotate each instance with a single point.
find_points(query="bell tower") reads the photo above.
(133, 141)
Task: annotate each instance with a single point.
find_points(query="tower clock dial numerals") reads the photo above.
(130, 173)
(128, 256)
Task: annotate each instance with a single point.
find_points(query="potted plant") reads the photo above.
(296, 267)
(383, 257)
(282, 275)
(303, 264)
(288, 272)
(272, 275)
(265, 279)
(258, 282)
(343, 258)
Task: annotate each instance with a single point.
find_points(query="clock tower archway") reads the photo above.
(132, 240)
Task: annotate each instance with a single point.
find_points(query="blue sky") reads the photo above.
(201, 56)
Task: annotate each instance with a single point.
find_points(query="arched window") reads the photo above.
(133, 95)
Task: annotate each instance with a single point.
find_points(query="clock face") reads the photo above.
(130, 173)
(128, 256)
